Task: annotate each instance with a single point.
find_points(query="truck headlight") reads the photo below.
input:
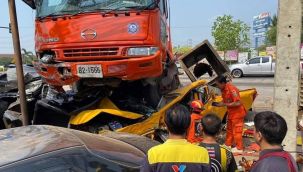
(142, 51)
(47, 58)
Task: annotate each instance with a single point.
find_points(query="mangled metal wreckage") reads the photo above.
(9, 97)
(123, 108)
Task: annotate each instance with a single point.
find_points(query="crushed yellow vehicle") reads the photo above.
(109, 116)
(128, 114)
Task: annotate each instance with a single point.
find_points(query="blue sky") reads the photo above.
(190, 19)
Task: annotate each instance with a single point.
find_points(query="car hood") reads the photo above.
(24, 142)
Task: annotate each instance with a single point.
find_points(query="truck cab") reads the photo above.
(101, 39)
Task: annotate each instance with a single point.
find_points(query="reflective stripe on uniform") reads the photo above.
(223, 159)
(178, 151)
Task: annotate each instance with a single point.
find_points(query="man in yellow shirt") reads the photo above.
(176, 154)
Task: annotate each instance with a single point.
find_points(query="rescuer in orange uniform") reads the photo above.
(235, 113)
(193, 133)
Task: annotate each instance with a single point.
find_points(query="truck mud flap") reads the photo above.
(205, 55)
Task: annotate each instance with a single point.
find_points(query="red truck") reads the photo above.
(105, 42)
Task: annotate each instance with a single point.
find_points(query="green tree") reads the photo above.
(271, 34)
(5, 61)
(28, 56)
(181, 49)
(230, 34)
(262, 48)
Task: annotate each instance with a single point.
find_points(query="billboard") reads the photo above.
(253, 53)
(231, 55)
(271, 51)
(260, 34)
(261, 21)
(243, 57)
(221, 54)
(262, 53)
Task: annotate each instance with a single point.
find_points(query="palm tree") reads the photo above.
(271, 34)
(274, 21)
(28, 57)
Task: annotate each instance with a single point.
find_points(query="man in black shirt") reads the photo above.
(222, 160)
(270, 130)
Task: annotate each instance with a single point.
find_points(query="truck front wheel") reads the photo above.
(153, 94)
(237, 73)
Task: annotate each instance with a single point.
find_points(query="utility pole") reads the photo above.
(18, 60)
(287, 67)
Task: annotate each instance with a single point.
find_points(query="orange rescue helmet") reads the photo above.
(196, 106)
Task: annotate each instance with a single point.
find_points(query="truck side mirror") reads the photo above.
(30, 3)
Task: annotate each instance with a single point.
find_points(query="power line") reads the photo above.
(181, 27)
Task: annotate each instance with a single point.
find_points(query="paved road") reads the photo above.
(264, 86)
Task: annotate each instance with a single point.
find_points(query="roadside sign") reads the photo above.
(231, 55)
(243, 57)
(271, 51)
(262, 53)
(254, 53)
(221, 54)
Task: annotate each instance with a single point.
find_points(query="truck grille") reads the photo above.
(91, 52)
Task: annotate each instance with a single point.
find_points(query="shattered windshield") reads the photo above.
(60, 7)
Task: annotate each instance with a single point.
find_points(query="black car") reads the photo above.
(54, 149)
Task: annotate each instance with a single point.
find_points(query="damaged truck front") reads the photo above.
(105, 43)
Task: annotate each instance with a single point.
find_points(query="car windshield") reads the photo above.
(166, 99)
(60, 7)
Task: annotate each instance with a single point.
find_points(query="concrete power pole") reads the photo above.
(287, 66)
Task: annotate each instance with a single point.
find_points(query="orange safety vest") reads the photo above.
(193, 132)
(231, 94)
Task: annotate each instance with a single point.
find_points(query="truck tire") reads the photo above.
(153, 95)
(237, 73)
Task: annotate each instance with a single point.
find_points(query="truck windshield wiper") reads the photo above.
(56, 14)
(130, 7)
(89, 11)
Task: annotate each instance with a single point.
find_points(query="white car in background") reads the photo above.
(262, 65)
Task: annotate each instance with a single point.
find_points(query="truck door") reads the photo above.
(266, 66)
(253, 66)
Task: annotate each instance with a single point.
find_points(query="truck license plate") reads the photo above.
(89, 71)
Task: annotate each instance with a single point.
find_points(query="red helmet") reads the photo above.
(197, 105)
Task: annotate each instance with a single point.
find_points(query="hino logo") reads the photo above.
(88, 34)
